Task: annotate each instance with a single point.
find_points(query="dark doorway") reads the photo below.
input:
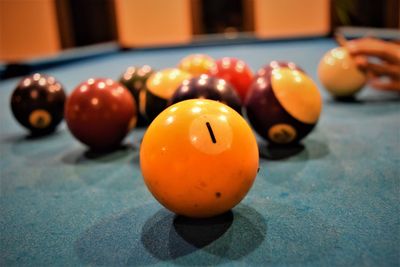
(86, 22)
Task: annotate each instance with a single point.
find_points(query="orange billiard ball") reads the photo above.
(199, 158)
(339, 74)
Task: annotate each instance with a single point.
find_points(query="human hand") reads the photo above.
(379, 59)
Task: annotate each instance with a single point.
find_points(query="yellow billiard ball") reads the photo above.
(339, 74)
(160, 87)
(197, 64)
(199, 158)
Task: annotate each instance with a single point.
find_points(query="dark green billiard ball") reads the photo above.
(134, 79)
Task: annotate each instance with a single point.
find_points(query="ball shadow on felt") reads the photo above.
(278, 152)
(231, 235)
(83, 155)
(307, 149)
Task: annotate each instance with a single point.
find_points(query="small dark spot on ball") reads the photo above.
(258, 169)
(218, 194)
(40, 122)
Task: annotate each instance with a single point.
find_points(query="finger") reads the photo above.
(361, 61)
(382, 69)
(340, 39)
(371, 76)
(372, 47)
(385, 85)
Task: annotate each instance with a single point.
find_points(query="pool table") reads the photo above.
(334, 200)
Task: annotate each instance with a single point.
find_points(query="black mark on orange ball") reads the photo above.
(218, 194)
(258, 169)
(210, 131)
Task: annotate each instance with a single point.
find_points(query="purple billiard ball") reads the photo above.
(208, 87)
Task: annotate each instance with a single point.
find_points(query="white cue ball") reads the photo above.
(339, 74)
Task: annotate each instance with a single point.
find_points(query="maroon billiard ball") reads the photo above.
(236, 72)
(207, 87)
(267, 69)
(134, 79)
(283, 104)
(37, 103)
(100, 113)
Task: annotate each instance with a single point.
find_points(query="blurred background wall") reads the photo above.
(28, 29)
(33, 28)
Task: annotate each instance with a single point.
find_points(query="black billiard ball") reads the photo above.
(283, 104)
(134, 79)
(208, 87)
(37, 103)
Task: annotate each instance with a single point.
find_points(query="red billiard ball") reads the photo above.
(37, 103)
(207, 87)
(283, 104)
(236, 72)
(99, 113)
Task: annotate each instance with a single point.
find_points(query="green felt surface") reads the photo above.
(332, 202)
